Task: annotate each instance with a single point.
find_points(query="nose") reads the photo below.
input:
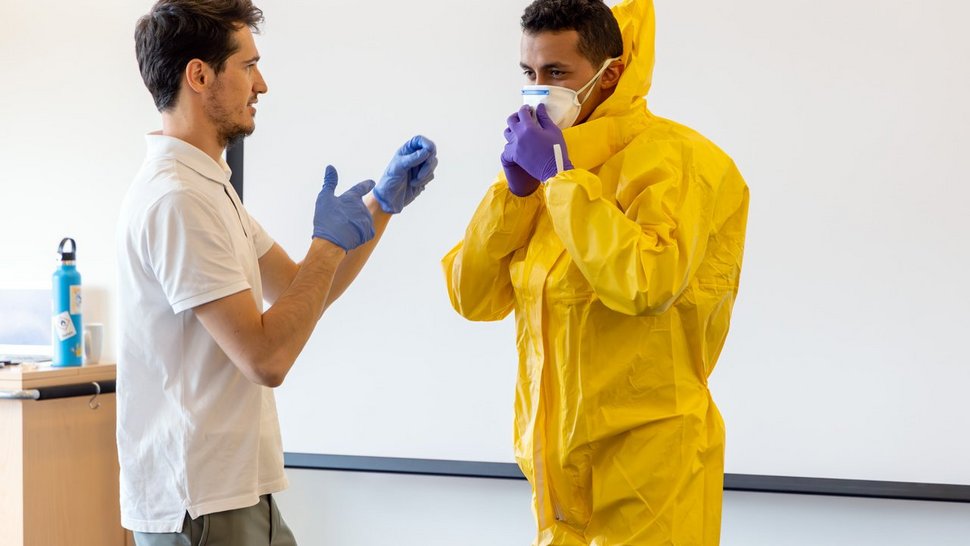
(543, 80)
(259, 85)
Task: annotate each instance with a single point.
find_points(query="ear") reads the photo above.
(611, 76)
(198, 75)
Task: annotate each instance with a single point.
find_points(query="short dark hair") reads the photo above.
(176, 31)
(599, 33)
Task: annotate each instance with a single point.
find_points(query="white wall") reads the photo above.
(72, 114)
(849, 121)
(758, 519)
(360, 509)
(350, 508)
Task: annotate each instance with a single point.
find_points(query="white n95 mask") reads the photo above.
(562, 104)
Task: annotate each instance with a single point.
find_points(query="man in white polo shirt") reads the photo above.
(198, 435)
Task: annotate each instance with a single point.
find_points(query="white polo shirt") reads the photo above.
(193, 433)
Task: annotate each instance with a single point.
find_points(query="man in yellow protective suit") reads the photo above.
(618, 242)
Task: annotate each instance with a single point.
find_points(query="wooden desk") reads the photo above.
(58, 461)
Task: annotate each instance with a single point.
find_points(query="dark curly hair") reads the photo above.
(176, 31)
(599, 33)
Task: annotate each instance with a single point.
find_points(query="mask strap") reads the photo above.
(590, 83)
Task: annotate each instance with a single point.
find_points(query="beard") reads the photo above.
(228, 140)
(229, 131)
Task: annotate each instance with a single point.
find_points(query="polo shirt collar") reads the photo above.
(161, 146)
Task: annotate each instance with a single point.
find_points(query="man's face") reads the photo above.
(553, 58)
(229, 104)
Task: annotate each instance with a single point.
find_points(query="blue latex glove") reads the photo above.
(345, 220)
(532, 139)
(409, 171)
(521, 183)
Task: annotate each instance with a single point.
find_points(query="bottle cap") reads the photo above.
(65, 255)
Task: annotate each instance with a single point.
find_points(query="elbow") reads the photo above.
(657, 307)
(650, 294)
(274, 370)
(641, 304)
(479, 305)
(271, 379)
(476, 294)
(484, 311)
(266, 372)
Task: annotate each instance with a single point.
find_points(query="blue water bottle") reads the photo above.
(67, 329)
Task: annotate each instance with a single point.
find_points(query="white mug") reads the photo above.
(93, 335)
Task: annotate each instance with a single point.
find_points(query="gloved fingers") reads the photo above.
(508, 155)
(413, 159)
(417, 142)
(426, 143)
(513, 119)
(360, 189)
(508, 134)
(543, 119)
(426, 171)
(330, 179)
(526, 115)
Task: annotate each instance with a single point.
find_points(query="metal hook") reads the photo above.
(93, 403)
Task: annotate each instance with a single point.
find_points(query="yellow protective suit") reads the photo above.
(622, 273)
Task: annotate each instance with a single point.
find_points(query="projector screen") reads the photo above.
(849, 121)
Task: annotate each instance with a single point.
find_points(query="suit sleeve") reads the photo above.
(477, 269)
(640, 252)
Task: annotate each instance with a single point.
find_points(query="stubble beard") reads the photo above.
(228, 132)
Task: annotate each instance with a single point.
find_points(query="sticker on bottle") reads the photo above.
(75, 299)
(64, 326)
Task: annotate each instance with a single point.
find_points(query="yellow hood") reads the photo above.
(637, 24)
